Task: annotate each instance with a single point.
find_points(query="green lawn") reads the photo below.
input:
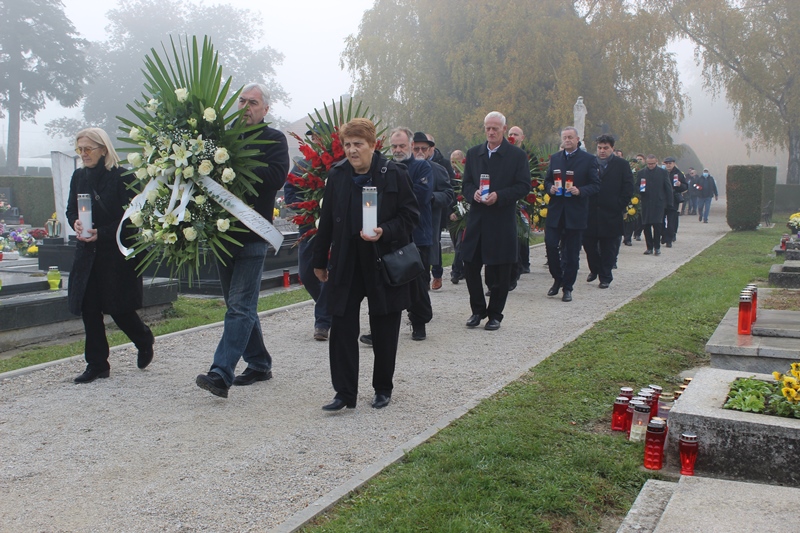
(539, 455)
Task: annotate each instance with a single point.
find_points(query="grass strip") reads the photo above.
(539, 455)
(186, 313)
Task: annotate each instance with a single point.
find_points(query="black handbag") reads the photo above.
(401, 266)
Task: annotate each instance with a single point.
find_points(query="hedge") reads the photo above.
(34, 197)
(743, 195)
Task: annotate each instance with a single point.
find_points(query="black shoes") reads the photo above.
(554, 289)
(567, 296)
(338, 404)
(649, 251)
(658, 251)
(627, 243)
(213, 383)
(603, 285)
(90, 375)
(492, 325)
(591, 277)
(366, 339)
(418, 332)
(251, 375)
(145, 356)
(474, 321)
(380, 401)
(669, 245)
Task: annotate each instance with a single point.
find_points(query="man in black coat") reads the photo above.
(491, 235)
(240, 276)
(606, 209)
(568, 210)
(679, 186)
(655, 189)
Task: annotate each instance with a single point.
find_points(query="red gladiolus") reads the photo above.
(307, 151)
(327, 160)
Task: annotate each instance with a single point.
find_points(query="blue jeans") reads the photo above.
(703, 207)
(242, 338)
(317, 289)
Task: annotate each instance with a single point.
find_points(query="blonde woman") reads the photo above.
(102, 281)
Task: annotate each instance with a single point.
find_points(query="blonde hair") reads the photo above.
(100, 137)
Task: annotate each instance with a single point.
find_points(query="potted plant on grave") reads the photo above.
(778, 398)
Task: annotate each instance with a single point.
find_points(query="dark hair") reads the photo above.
(605, 139)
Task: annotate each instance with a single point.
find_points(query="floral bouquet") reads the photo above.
(534, 205)
(461, 207)
(20, 240)
(4, 206)
(633, 209)
(794, 223)
(790, 385)
(192, 163)
(320, 153)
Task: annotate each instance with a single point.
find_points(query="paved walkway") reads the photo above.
(149, 451)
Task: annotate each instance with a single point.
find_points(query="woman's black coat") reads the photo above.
(114, 277)
(398, 213)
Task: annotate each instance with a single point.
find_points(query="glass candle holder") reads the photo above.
(369, 210)
(629, 415)
(654, 445)
(85, 214)
(657, 390)
(688, 447)
(558, 183)
(570, 180)
(618, 415)
(648, 399)
(484, 184)
(626, 391)
(745, 313)
(641, 417)
(665, 403)
(53, 278)
(754, 308)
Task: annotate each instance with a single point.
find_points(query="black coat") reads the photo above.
(115, 277)
(680, 188)
(443, 197)
(398, 213)
(494, 226)
(607, 208)
(573, 209)
(657, 194)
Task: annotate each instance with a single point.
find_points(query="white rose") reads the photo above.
(135, 159)
(170, 238)
(182, 94)
(221, 155)
(152, 196)
(199, 199)
(147, 235)
(223, 224)
(137, 218)
(190, 234)
(227, 175)
(209, 115)
(141, 173)
(188, 172)
(135, 134)
(205, 167)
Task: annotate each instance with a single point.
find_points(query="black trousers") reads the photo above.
(652, 236)
(421, 311)
(671, 228)
(498, 279)
(458, 263)
(563, 248)
(343, 346)
(601, 254)
(96, 350)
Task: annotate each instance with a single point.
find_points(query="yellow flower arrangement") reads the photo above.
(794, 222)
(790, 383)
(632, 211)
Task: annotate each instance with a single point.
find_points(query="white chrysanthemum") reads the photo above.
(221, 155)
(190, 234)
(223, 224)
(209, 115)
(227, 175)
(205, 167)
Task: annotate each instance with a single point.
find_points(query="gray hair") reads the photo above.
(573, 128)
(496, 114)
(407, 131)
(100, 137)
(261, 88)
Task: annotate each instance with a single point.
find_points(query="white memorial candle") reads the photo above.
(369, 199)
(85, 214)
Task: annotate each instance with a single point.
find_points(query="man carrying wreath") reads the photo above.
(240, 276)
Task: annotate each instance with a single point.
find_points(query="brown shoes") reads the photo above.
(436, 284)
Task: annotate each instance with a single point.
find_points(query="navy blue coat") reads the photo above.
(607, 208)
(573, 209)
(494, 226)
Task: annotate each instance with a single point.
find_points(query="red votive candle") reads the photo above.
(618, 415)
(688, 453)
(654, 445)
(745, 313)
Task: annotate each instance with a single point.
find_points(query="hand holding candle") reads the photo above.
(85, 214)
(369, 200)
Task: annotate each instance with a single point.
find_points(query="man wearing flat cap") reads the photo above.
(679, 186)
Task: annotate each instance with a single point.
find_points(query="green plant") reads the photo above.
(778, 398)
(744, 186)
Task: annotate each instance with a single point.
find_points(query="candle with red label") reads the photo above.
(569, 182)
(558, 183)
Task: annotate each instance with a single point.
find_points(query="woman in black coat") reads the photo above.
(346, 259)
(102, 280)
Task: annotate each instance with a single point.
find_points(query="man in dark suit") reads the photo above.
(655, 189)
(568, 211)
(606, 209)
(679, 186)
(491, 235)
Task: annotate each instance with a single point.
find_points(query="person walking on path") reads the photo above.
(679, 186)
(568, 211)
(706, 187)
(655, 189)
(490, 237)
(240, 275)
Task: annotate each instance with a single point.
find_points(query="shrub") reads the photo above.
(744, 189)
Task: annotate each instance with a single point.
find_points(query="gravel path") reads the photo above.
(150, 451)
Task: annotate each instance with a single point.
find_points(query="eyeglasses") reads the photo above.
(86, 149)
(420, 148)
